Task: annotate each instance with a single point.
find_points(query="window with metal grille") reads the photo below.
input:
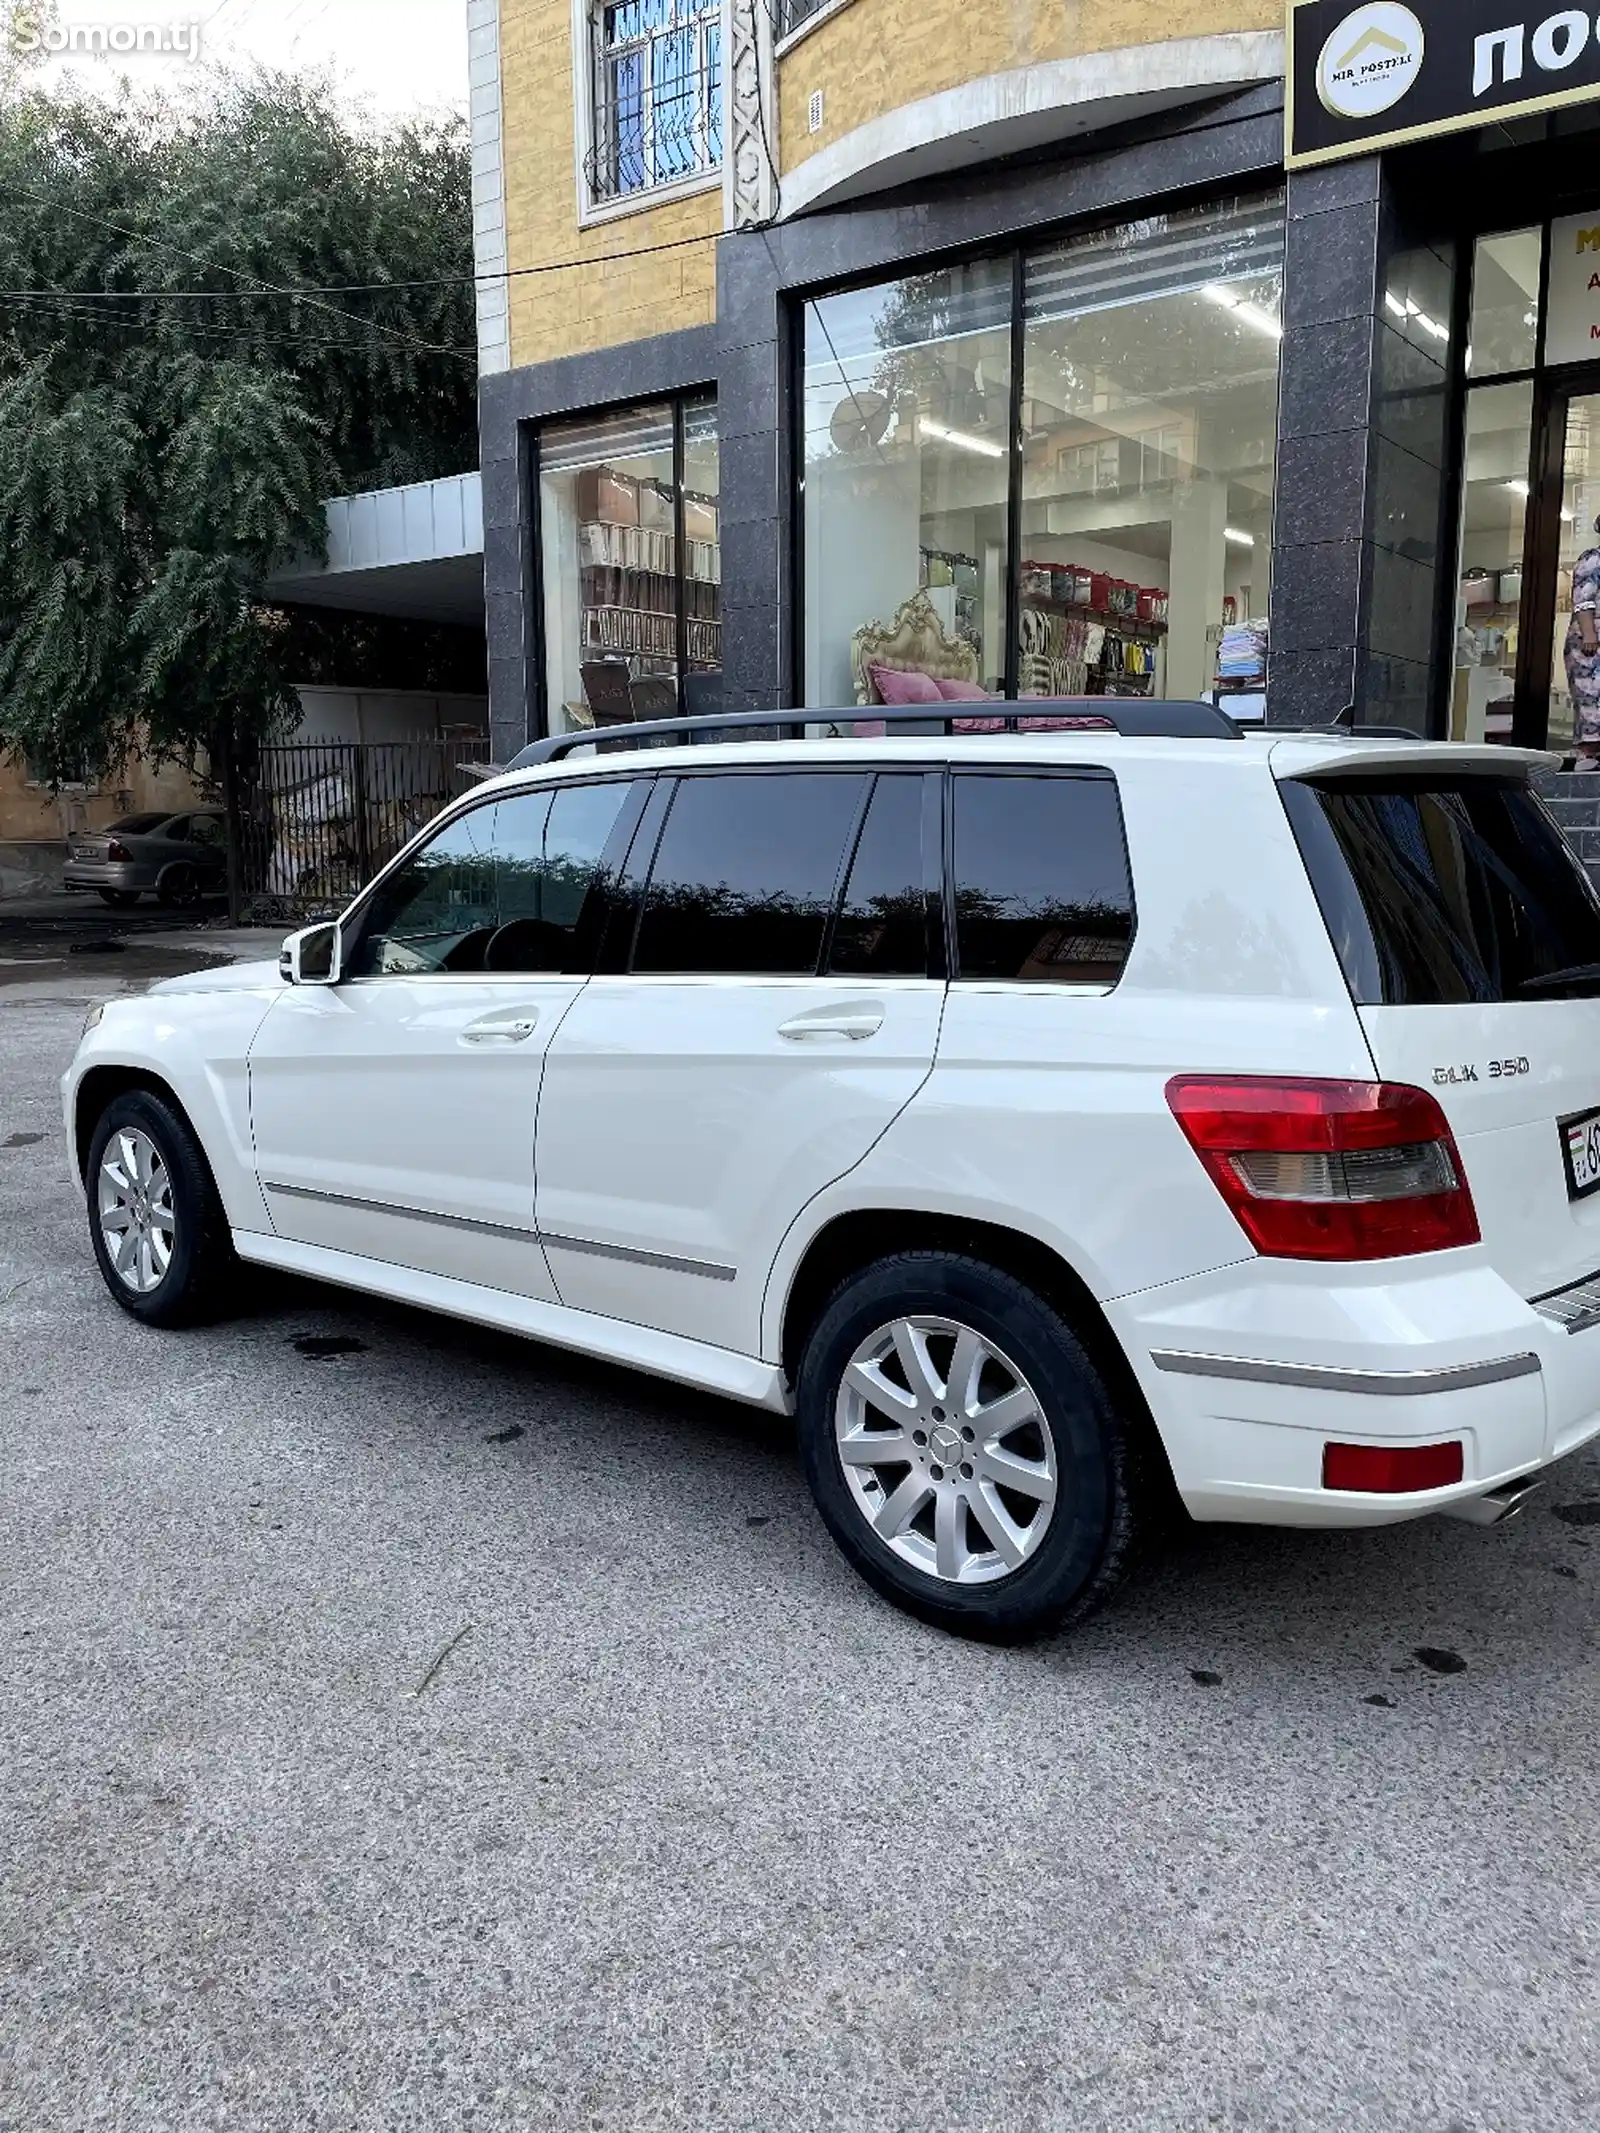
(792, 13)
(657, 69)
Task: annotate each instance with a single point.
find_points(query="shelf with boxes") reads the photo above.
(628, 569)
(1068, 588)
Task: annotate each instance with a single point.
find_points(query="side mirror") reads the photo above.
(314, 957)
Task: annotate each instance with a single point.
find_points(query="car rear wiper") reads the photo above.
(1559, 980)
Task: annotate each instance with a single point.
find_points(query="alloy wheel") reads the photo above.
(948, 1455)
(138, 1224)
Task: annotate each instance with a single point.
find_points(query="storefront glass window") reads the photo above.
(622, 620)
(1142, 466)
(1505, 304)
(1494, 512)
(1149, 424)
(907, 400)
(702, 558)
(1575, 667)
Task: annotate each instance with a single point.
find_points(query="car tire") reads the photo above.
(180, 887)
(148, 1180)
(119, 899)
(1063, 1456)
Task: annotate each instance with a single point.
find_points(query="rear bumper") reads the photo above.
(1250, 1373)
(103, 874)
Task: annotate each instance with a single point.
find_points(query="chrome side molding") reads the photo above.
(1383, 1384)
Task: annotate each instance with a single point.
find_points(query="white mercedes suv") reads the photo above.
(1059, 1124)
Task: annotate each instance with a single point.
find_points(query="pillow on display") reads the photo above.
(897, 686)
(963, 692)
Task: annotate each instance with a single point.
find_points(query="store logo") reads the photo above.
(1371, 60)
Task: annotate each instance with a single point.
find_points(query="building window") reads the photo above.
(1134, 455)
(791, 15)
(631, 564)
(657, 85)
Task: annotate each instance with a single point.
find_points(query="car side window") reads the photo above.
(207, 830)
(505, 889)
(746, 873)
(1042, 889)
(548, 872)
(438, 911)
(882, 927)
(176, 831)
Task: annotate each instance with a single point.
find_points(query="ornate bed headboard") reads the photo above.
(914, 642)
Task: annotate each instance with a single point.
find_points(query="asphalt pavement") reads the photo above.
(404, 1727)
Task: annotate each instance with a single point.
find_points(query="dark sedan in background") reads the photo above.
(179, 858)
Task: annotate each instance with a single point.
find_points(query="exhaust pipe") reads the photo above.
(1495, 1508)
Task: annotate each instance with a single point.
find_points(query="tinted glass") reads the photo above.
(1042, 887)
(438, 911)
(745, 875)
(883, 920)
(136, 825)
(207, 829)
(547, 870)
(505, 889)
(1447, 890)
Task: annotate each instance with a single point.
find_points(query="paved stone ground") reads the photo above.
(401, 1727)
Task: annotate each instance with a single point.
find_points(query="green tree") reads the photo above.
(205, 329)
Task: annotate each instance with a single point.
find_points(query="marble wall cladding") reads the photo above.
(1362, 489)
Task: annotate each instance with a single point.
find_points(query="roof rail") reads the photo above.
(1178, 721)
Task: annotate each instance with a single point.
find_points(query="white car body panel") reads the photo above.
(663, 1355)
(389, 1125)
(194, 1034)
(1533, 1064)
(674, 1124)
(680, 1128)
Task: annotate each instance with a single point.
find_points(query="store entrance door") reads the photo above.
(1558, 694)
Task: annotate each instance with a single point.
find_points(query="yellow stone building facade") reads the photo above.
(835, 349)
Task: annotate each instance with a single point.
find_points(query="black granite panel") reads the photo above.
(1407, 503)
(1322, 488)
(1311, 688)
(1326, 378)
(1332, 266)
(1402, 607)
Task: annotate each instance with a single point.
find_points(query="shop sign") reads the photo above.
(1572, 321)
(1371, 76)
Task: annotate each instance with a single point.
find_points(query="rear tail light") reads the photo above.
(1329, 1169)
(119, 853)
(1391, 1470)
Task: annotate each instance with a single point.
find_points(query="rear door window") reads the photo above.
(746, 873)
(882, 927)
(1042, 888)
(1446, 889)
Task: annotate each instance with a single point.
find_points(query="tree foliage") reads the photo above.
(170, 421)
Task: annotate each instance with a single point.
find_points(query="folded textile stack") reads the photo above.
(1242, 656)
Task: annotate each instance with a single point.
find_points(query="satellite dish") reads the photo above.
(860, 421)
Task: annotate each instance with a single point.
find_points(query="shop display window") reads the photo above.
(1494, 515)
(1135, 453)
(1505, 304)
(631, 563)
(907, 407)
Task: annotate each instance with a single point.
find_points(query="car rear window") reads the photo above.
(1043, 893)
(137, 825)
(1446, 889)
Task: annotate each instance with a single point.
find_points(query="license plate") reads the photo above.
(1580, 1152)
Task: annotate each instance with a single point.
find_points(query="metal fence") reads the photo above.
(316, 821)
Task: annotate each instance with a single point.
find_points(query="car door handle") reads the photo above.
(503, 1029)
(856, 1026)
